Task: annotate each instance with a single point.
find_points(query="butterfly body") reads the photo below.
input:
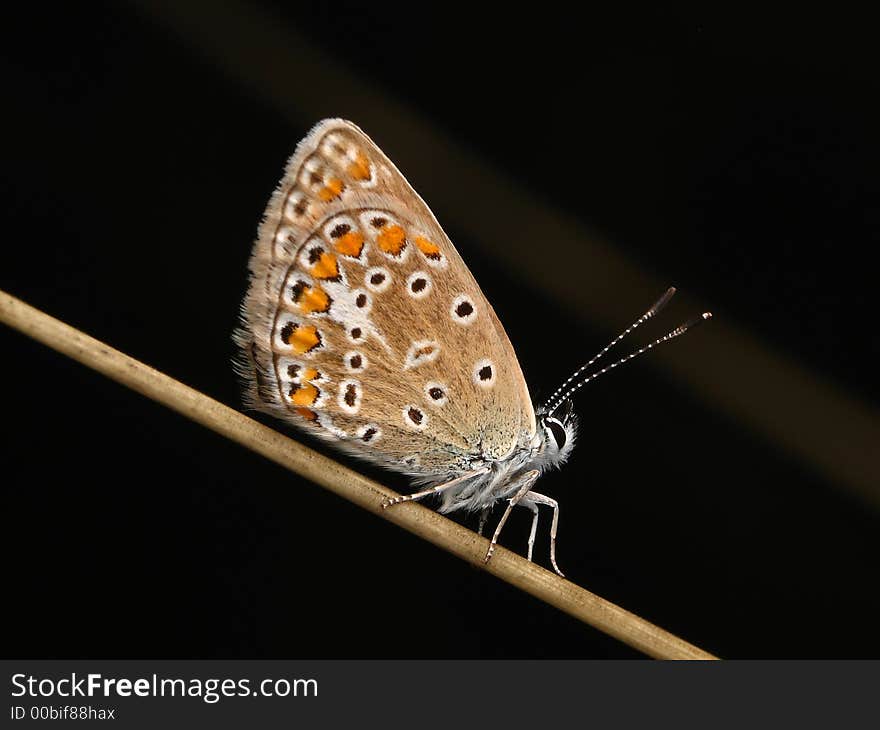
(364, 327)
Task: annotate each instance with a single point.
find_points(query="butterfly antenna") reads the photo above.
(655, 307)
(677, 332)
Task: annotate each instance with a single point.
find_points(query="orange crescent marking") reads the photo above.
(431, 250)
(351, 244)
(314, 299)
(309, 374)
(360, 168)
(305, 395)
(304, 338)
(333, 189)
(309, 415)
(326, 267)
(392, 239)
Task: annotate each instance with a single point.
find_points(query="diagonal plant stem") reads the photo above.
(427, 524)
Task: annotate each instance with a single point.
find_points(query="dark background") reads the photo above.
(735, 156)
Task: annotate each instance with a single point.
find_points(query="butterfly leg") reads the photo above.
(528, 479)
(484, 515)
(527, 502)
(438, 489)
(537, 499)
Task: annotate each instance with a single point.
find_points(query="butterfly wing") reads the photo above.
(363, 325)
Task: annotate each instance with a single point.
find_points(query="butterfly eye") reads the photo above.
(558, 431)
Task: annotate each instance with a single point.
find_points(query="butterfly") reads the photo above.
(363, 326)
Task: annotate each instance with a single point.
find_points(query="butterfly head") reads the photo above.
(557, 431)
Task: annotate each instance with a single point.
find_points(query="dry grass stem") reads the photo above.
(427, 524)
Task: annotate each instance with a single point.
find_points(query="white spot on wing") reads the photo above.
(312, 245)
(285, 239)
(338, 220)
(414, 417)
(380, 286)
(353, 355)
(419, 285)
(435, 399)
(484, 373)
(367, 300)
(463, 310)
(421, 352)
(362, 432)
(330, 144)
(296, 200)
(345, 388)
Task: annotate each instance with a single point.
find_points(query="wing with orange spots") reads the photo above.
(363, 325)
